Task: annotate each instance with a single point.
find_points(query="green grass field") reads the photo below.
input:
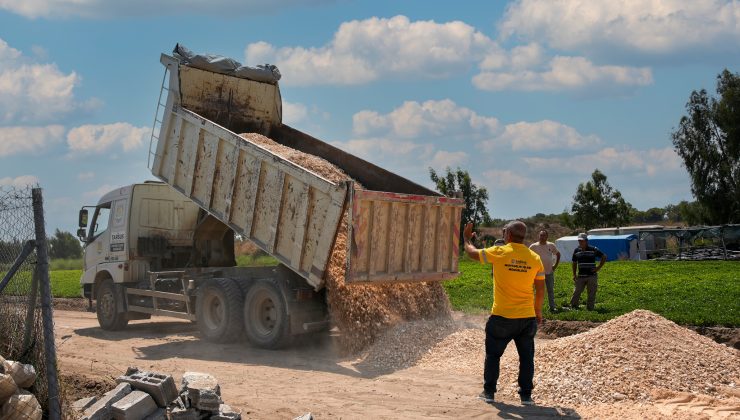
(686, 292)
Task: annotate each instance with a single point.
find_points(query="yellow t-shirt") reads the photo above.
(515, 269)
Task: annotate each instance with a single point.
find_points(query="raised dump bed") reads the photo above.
(398, 230)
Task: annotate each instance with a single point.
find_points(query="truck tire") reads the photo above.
(266, 322)
(107, 305)
(218, 310)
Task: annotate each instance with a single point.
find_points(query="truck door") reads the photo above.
(98, 239)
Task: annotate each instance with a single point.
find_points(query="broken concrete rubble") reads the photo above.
(134, 406)
(161, 387)
(202, 390)
(154, 396)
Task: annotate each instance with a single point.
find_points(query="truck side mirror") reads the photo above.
(82, 219)
(82, 235)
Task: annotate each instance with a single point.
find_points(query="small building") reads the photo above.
(616, 247)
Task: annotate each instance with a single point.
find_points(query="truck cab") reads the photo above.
(133, 230)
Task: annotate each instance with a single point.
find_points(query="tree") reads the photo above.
(452, 184)
(597, 204)
(708, 141)
(64, 245)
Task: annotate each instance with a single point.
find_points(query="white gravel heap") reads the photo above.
(627, 358)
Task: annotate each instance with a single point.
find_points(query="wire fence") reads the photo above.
(692, 243)
(26, 327)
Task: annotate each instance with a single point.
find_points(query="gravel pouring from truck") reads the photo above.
(167, 248)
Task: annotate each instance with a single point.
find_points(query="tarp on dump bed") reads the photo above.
(266, 73)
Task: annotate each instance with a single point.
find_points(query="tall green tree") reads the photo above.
(597, 204)
(454, 184)
(64, 245)
(708, 141)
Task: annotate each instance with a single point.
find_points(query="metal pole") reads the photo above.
(50, 352)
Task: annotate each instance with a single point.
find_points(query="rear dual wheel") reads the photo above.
(218, 310)
(266, 315)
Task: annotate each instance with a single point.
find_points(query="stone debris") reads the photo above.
(361, 312)
(141, 395)
(21, 406)
(201, 390)
(101, 409)
(161, 387)
(15, 401)
(134, 406)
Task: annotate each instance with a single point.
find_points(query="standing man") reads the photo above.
(547, 250)
(518, 293)
(584, 271)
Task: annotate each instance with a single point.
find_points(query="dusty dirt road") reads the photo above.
(310, 377)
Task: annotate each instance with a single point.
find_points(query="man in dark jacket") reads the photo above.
(584, 271)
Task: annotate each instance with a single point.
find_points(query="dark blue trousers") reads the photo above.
(499, 331)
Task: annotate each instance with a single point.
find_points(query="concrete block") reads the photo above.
(180, 414)
(101, 409)
(202, 390)
(159, 414)
(225, 412)
(161, 387)
(134, 406)
(83, 404)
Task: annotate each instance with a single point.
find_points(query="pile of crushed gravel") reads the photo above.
(627, 358)
(362, 312)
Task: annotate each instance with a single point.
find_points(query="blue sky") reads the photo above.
(529, 96)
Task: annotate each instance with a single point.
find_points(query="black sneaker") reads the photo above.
(527, 400)
(486, 396)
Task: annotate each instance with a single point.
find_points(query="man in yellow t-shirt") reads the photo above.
(518, 294)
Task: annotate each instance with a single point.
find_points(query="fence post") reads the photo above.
(50, 353)
(31, 312)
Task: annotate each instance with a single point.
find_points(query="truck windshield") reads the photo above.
(100, 220)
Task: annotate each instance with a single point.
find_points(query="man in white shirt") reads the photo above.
(547, 250)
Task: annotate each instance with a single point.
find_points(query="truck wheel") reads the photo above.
(107, 304)
(218, 310)
(266, 315)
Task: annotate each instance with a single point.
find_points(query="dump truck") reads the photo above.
(166, 247)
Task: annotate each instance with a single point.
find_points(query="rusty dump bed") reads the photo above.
(398, 230)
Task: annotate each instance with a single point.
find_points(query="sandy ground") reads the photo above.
(311, 377)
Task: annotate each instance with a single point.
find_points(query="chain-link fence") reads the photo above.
(26, 328)
(692, 243)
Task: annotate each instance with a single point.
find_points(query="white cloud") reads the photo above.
(366, 50)
(644, 27)
(86, 176)
(651, 162)
(445, 159)
(372, 149)
(504, 180)
(28, 140)
(97, 139)
(54, 9)
(99, 192)
(32, 92)
(566, 73)
(20, 181)
(540, 136)
(442, 118)
(294, 112)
